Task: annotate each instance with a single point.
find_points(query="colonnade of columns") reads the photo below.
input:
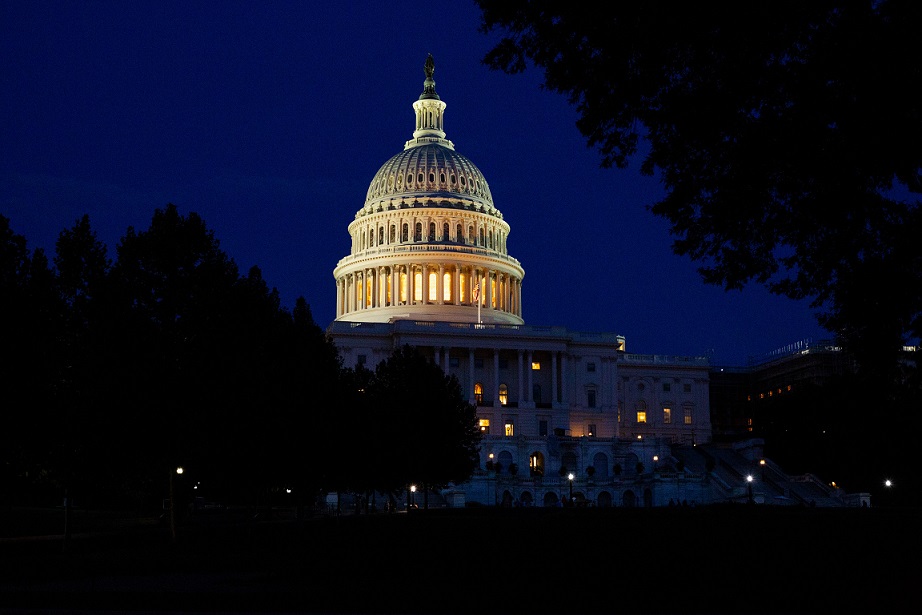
(525, 374)
(439, 284)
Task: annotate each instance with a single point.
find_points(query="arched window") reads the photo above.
(570, 461)
(503, 394)
(432, 231)
(470, 235)
(393, 237)
(536, 464)
(380, 235)
(459, 234)
(482, 242)
(600, 463)
(478, 393)
(405, 233)
(418, 234)
(445, 232)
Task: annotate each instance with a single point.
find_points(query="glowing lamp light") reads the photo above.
(179, 470)
(749, 478)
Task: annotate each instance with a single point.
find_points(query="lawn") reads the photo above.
(721, 559)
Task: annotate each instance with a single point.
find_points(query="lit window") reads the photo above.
(503, 394)
(642, 417)
(688, 416)
(484, 426)
(536, 365)
(478, 393)
(509, 429)
(667, 415)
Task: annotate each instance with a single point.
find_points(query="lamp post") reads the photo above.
(570, 477)
(412, 492)
(179, 470)
(749, 488)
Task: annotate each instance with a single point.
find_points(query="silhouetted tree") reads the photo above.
(427, 429)
(30, 327)
(780, 131)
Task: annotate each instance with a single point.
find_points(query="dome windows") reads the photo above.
(431, 177)
(409, 178)
(419, 177)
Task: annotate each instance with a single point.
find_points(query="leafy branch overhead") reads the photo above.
(784, 134)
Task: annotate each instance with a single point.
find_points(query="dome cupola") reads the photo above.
(428, 243)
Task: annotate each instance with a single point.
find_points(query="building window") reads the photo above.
(418, 233)
(432, 231)
(536, 393)
(536, 365)
(686, 387)
(590, 367)
(688, 416)
(453, 362)
(591, 431)
(445, 232)
(405, 233)
(542, 427)
(590, 398)
(485, 426)
(361, 359)
(478, 393)
(503, 394)
(667, 387)
(478, 362)
(510, 431)
(641, 416)
(536, 464)
(667, 416)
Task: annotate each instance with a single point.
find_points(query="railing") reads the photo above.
(413, 248)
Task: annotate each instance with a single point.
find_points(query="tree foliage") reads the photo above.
(168, 356)
(414, 425)
(783, 133)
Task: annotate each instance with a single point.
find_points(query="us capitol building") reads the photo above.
(565, 415)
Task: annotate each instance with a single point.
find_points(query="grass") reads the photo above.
(721, 559)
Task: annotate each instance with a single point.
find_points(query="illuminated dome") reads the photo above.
(428, 244)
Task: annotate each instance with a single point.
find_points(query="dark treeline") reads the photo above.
(118, 370)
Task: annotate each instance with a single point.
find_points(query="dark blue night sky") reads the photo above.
(269, 119)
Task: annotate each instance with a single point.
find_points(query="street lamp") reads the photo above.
(749, 487)
(412, 492)
(179, 470)
(570, 477)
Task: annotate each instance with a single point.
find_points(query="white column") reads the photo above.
(495, 377)
(470, 370)
(528, 367)
(425, 282)
(554, 377)
(521, 377)
(440, 286)
(565, 379)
